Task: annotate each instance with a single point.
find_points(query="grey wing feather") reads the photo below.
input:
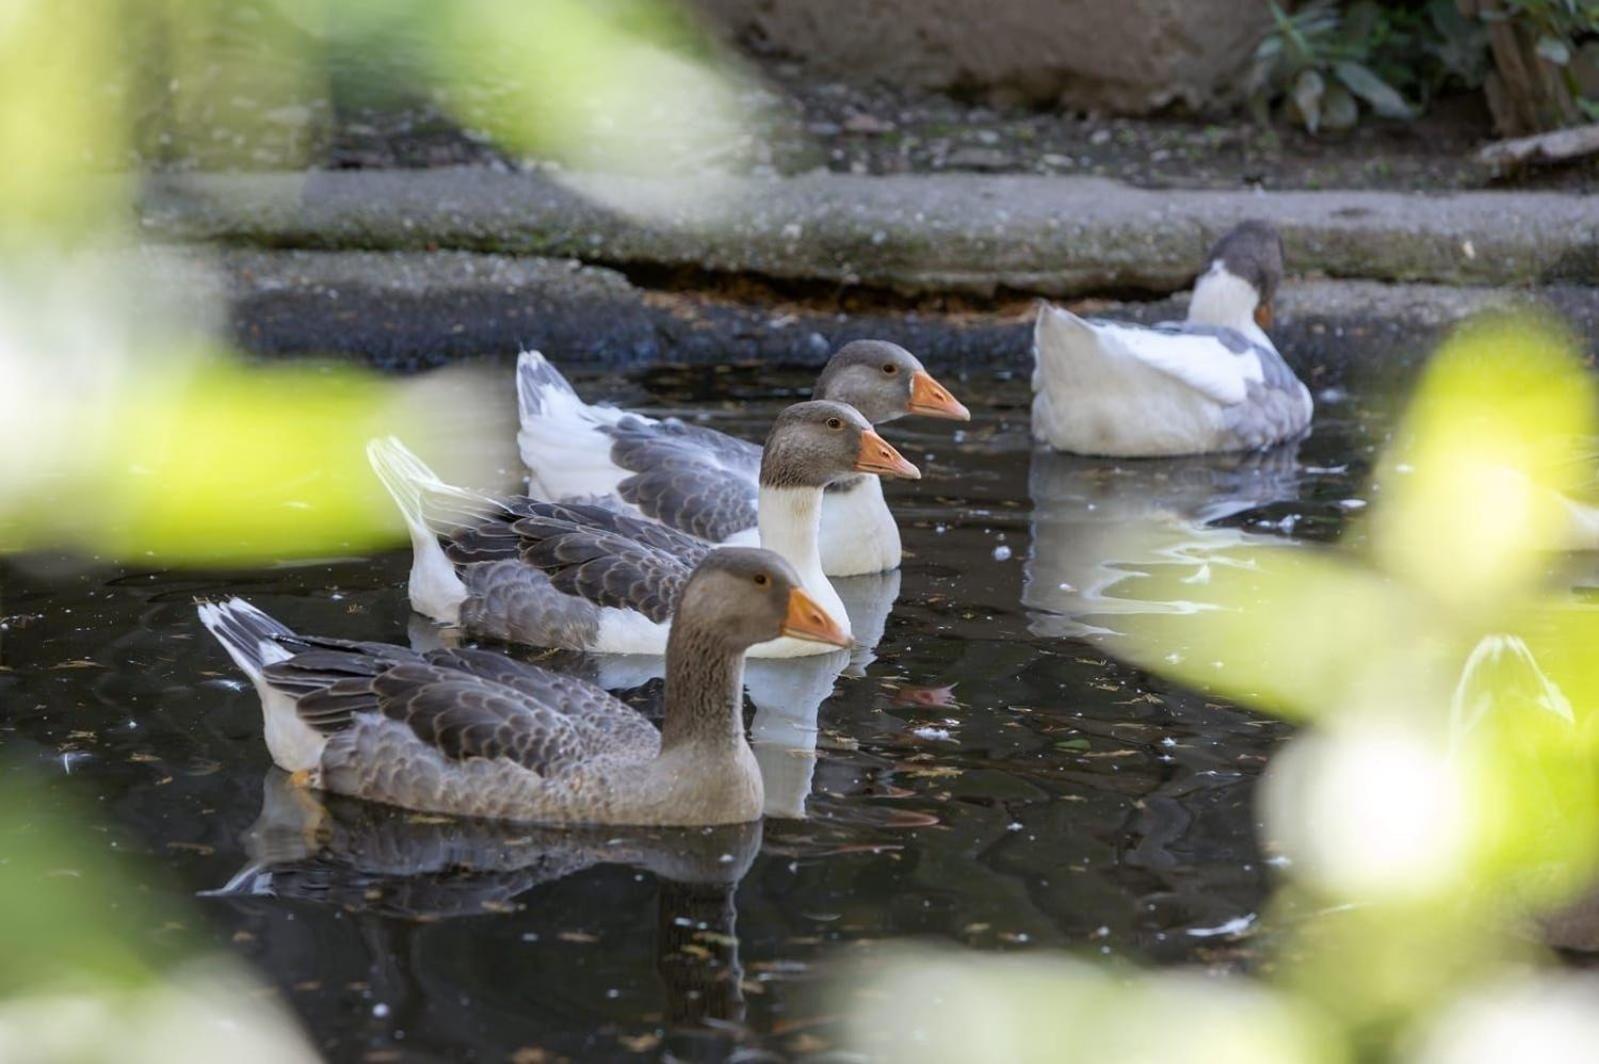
(605, 568)
(512, 601)
(733, 453)
(1277, 407)
(694, 479)
(499, 535)
(331, 679)
(464, 717)
(694, 498)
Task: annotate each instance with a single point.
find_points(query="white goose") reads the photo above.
(578, 452)
(1212, 383)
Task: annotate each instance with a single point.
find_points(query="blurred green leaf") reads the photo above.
(69, 915)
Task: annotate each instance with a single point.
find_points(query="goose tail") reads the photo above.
(252, 639)
(429, 506)
(562, 440)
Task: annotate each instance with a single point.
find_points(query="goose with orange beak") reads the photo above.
(1212, 383)
(583, 576)
(579, 451)
(475, 733)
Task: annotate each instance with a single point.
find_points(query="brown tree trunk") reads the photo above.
(1526, 92)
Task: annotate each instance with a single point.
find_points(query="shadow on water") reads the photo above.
(981, 771)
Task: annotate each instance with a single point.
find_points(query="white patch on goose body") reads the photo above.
(1096, 393)
(629, 632)
(293, 744)
(858, 534)
(561, 438)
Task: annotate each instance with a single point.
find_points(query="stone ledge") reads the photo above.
(916, 234)
(407, 309)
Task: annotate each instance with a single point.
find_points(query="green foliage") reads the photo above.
(1330, 61)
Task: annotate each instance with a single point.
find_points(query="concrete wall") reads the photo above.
(1126, 56)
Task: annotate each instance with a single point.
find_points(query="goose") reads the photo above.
(1212, 383)
(581, 576)
(475, 733)
(576, 451)
(787, 693)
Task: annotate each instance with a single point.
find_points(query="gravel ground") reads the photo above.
(377, 113)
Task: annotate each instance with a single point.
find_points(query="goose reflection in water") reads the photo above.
(393, 870)
(1101, 528)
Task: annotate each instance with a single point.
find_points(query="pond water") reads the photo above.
(987, 774)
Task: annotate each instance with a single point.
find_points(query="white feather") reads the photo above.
(858, 533)
(560, 439)
(434, 587)
(789, 520)
(1098, 391)
(293, 744)
(1223, 298)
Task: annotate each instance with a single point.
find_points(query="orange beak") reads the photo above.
(807, 620)
(876, 456)
(1263, 315)
(933, 399)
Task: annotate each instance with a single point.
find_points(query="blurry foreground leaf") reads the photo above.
(1492, 443)
(91, 970)
(126, 432)
(932, 1006)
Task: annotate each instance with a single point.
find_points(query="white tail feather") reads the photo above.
(435, 589)
(252, 640)
(561, 439)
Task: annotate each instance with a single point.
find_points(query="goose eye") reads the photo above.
(834, 423)
(890, 368)
(761, 579)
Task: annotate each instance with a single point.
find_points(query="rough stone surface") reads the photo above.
(968, 233)
(1134, 56)
(406, 310)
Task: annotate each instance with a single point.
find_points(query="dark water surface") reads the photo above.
(988, 775)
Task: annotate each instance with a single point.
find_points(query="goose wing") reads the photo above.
(604, 567)
(464, 704)
(691, 478)
(1218, 362)
(469, 537)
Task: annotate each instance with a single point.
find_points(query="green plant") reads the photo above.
(1561, 27)
(1329, 60)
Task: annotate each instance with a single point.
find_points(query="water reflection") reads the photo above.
(392, 870)
(1100, 527)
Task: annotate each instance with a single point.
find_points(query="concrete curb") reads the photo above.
(918, 233)
(411, 309)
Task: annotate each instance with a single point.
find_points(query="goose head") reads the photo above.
(1240, 282)
(884, 381)
(741, 596)
(813, 444)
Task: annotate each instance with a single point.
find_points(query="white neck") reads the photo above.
(790, 523)
(789, 520)
(1225, 299)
